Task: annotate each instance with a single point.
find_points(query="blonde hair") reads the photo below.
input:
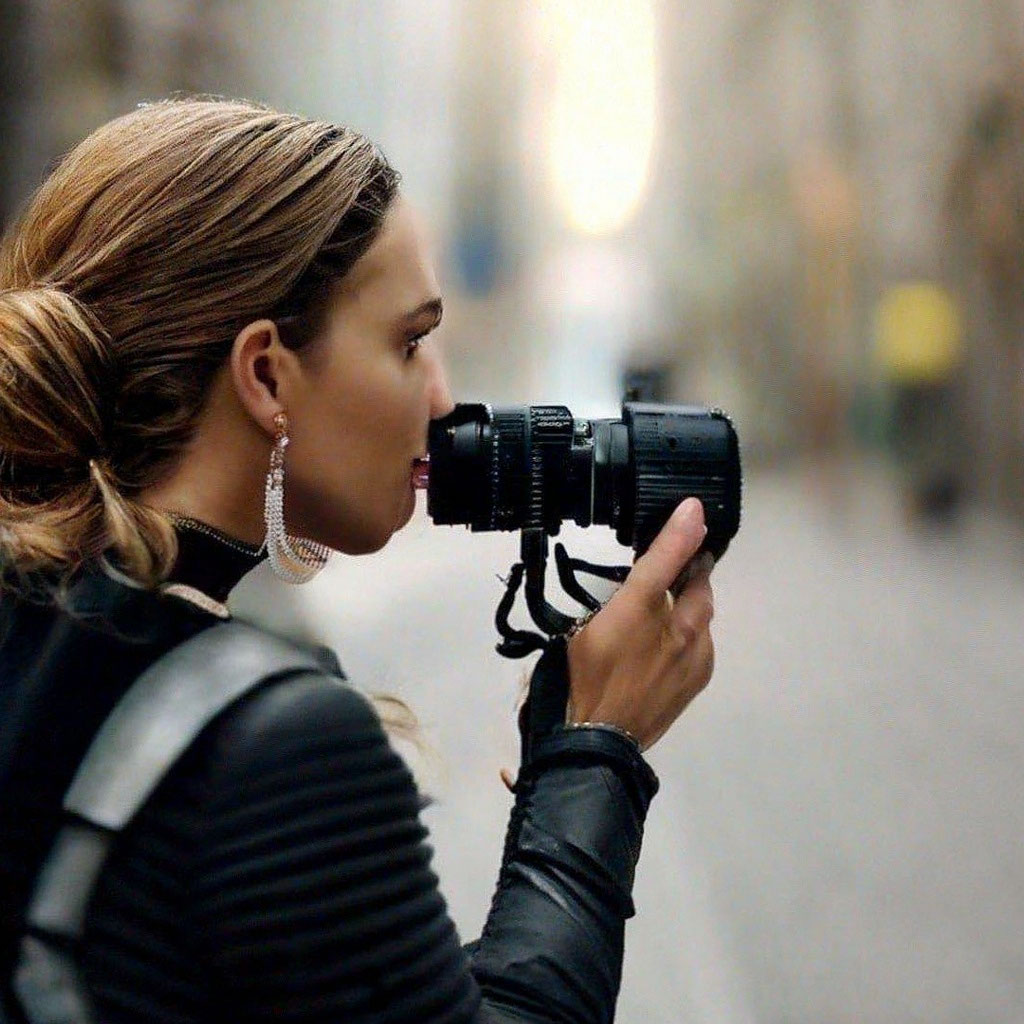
(122, 288)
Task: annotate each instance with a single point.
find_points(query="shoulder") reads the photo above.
(292, 733)
(304, 702)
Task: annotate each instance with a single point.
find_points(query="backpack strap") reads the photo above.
(152, 725)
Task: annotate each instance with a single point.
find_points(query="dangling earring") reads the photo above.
(307, 557)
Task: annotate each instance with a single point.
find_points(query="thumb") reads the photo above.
(679, 540)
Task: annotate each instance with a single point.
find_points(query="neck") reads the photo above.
(238, 525)
(231, 503)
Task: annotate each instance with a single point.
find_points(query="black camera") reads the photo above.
(532, 467)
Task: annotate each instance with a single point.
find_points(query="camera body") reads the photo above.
(533, 467)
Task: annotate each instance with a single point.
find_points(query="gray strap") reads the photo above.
(166, 708)
(148, 730)
(47, 982)
(48, 985)
(67, 880)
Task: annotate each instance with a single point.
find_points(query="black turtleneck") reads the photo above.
(210, 565)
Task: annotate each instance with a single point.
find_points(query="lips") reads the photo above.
(421, 473)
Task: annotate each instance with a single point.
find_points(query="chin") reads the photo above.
(368, 533)
(377, 534)
(364, 544)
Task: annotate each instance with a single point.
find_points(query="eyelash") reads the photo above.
(412, 346)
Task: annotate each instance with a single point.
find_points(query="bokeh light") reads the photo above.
(601, 121)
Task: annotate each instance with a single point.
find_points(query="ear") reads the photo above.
(263, 372)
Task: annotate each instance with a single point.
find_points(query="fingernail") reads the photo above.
(688, 511)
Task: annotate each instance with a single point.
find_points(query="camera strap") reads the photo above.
(543, 711)
(518, 643)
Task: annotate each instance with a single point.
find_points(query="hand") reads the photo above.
(646, 654)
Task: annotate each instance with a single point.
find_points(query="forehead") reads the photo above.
(397, 268)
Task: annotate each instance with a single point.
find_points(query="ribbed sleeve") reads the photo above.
(281, 873)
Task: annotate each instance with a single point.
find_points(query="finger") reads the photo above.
(693, 610)
(701, 664)
(679, 540)
(702, 564)
(699, 585)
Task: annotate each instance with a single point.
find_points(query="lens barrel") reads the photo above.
(533, 467)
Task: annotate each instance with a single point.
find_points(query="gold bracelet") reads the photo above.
(578, 624)
(606, 725)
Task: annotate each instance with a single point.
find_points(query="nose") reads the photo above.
(441, 402)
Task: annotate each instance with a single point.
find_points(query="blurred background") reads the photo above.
(807, 212)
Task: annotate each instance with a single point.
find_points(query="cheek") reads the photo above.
(369, 433)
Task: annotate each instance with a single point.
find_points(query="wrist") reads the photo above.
(608, 727)
(595, 743)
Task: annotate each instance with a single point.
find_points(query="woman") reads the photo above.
(212, 324)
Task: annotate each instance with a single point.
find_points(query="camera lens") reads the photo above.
(532, 467)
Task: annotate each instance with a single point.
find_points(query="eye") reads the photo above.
(413, 344)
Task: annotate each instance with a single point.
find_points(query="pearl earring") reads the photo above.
(293, 559)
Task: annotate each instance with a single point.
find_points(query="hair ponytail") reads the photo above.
(60, 502)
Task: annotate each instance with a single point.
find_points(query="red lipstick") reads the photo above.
(421, 473)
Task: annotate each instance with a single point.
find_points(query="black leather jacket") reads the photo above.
(281, 870)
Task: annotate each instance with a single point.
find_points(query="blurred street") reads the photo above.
(838, 833)
(809, 214)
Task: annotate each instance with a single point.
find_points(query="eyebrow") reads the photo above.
(433, 305)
